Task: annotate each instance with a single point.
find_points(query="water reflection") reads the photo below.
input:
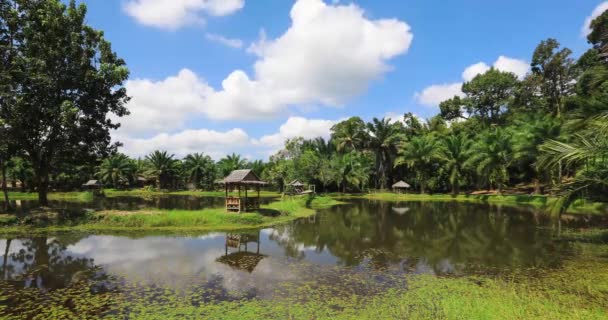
(371, 241)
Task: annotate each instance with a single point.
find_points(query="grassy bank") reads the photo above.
(216, 219)
(87, 196)
(59, 196)
(544, 203)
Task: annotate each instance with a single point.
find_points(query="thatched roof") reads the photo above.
(401, 185)
(246, 176)
(296, 183)
(93, 183)
(401, 210)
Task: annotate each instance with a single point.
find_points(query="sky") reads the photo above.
(224, 76)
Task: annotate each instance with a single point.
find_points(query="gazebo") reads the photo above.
(241, 259)
(400, 186)
(240, 179)
(296, 186)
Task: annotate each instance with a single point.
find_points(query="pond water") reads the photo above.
(362, 247)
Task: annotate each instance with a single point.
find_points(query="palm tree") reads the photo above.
(492, 156)
(349, 135)
(116, 170)
(230, 163)
(162, 166)
(258, 166)
(199, 169)
(350, 169)
(454, 153)
(419, 154)
(384, 137)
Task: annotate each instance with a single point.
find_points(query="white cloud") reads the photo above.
(213, 143)
(473, 70)
(158, 106)
(233, 43)
(173, 14)
(586, 30)
(297, 127)
(433, 95)
(519, 67)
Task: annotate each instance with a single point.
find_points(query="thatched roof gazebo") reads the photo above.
(239, 179)
(95, 186)
(400, 186)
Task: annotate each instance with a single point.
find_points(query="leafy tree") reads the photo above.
(454, 152)
(491, 156)
(116, 170)
(383, 139)
(419, 154)
(69, 82)
(555, 68)
(163, 167)
(599, 34)
(20, 169)
(230, 163)
(352, 169)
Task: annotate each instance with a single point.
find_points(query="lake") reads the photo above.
(362, 247)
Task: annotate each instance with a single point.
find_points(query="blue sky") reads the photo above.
(406, 56)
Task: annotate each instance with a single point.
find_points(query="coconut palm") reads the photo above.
(116, 170)
(454, 153)
(162, 166)
(349, 135)
(351, 169)
(491, 157)
(199, 169)
(419, 154)
(383, 140)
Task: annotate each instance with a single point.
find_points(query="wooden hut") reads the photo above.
(296, 187)
(94, 186)
(242, 180)
(401, 186)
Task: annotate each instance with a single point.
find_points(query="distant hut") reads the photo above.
(242, 180)
(296, 187)
(94, 186)
(401, 187)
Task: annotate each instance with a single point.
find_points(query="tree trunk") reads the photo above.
(422, 188)
(7, 204)
(23, 189)
(454, 190)
(43, 187)
(536, 186)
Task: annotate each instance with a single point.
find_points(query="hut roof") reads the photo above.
(246, 176)
(296, 183)
(401, 184)
(93, 183)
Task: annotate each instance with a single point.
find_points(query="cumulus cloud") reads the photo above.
(173, 14)
(433, 95)
(233, 43)
(297, 127)
(213, 143)
(586, 30)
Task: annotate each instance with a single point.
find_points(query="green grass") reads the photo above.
(544, 203)
(66, 196)
(183, 220)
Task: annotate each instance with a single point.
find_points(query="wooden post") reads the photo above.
(246, 200)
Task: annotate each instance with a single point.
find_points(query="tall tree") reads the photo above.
(349, 134)
(454, 153)
(70, 82)
(200, 170)
(419, 154)
(383, 139)
(555, 68)
(230, 163)
(491, 156)
(162, 166)
(116, 170)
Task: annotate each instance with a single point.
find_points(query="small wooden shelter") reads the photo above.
(296, 187)
(94, 186)
(401, 186)
(242, 180)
